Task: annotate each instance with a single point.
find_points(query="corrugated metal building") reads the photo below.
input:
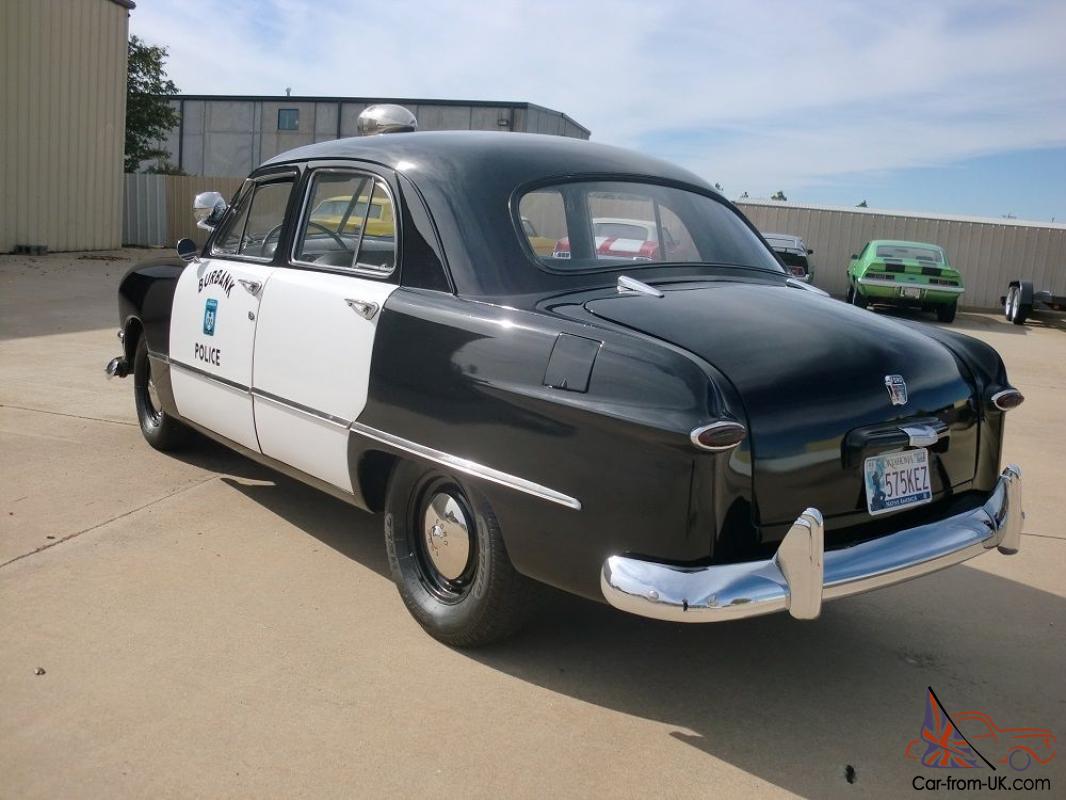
(62, 122)
(230, 136)
(988, 252)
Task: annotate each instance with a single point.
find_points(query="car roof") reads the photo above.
(539, 155)
(469, 181)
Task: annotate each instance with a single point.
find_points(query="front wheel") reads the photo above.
(160, 430)
(945, 312)
(448, 559)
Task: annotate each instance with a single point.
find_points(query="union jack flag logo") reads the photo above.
(945, 746)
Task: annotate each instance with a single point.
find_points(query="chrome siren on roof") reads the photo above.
(385, 118)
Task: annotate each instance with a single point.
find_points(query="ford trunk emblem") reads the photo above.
(897, 389)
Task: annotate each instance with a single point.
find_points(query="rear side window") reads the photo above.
(350, 222)
(605, 225)
(254, 229)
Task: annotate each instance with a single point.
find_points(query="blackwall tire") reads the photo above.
(461, 602)
(945, 312)
(160, 430)
(858, 299)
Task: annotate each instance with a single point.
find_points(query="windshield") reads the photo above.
(605, 225)
(933, 255)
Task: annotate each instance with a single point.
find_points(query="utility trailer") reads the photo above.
(1021, 301)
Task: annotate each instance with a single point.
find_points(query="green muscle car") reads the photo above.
(912, 274)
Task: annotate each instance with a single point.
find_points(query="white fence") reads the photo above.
(989, 253)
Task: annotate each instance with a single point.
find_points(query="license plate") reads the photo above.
(910, 291)
(897, 480)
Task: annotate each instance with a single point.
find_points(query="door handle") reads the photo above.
(253, 287)
(364, 308)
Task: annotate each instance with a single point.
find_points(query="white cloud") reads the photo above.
(764, 95)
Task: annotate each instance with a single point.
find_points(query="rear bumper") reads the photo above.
(932, 293)
(801, 574)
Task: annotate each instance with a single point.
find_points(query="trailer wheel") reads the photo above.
(1015, 309)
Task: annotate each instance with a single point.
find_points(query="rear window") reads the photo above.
(931, 255)
(592, 226)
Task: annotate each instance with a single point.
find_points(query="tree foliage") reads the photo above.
(779, 195)
(149, 115)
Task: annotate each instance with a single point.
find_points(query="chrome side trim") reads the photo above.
(908, 285)
(802, 575)
(321, 416)
(203, 373)
(467, 467)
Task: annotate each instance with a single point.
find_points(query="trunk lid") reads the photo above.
(810, 370)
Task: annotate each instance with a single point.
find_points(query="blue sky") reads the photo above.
(949, 106)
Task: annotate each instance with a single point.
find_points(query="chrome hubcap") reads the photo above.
(153, 395)
(446, 532)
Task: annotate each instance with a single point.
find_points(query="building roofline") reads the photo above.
(425, 101)
(885, 212)
(129, 5)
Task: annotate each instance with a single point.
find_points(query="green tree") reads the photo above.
(149, 115)
(778, 195)
(861, 205)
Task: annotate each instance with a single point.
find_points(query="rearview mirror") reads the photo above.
(854, 256)
(810, 252)
(208, 208)
(187, 249)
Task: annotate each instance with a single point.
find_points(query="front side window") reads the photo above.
(605, 225)
(350, 223)
(253, 230)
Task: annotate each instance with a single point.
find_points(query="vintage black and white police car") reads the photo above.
(680, 430)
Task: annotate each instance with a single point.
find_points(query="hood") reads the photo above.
(809, 370)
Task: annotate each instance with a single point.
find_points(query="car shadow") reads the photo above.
(821, 708)
(964, 321)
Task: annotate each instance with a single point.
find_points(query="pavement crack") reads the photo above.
(115, 518)
(63, 414)
(1045, 536)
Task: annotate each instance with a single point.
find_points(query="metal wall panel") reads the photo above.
(144, 218)
(62, 123)
(989, 253)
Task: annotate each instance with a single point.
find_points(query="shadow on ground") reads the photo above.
(796, 704)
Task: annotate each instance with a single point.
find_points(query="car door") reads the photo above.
(215, 311)
(317, 321)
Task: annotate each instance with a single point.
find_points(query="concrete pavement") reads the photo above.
(209, 628)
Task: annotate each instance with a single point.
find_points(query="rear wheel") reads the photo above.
(161, 430)
(945, 312)
(448, 559)
(857, 298)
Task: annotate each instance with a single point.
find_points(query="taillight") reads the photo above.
(1007, 399)
(722, 435)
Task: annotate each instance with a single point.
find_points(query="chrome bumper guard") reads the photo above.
(801, 574)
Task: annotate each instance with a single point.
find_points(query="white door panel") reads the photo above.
(212, 332)
(315, 446)
(313, 349)
(218, 408)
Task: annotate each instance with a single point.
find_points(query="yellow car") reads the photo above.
(331, 211)
(542, 245)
